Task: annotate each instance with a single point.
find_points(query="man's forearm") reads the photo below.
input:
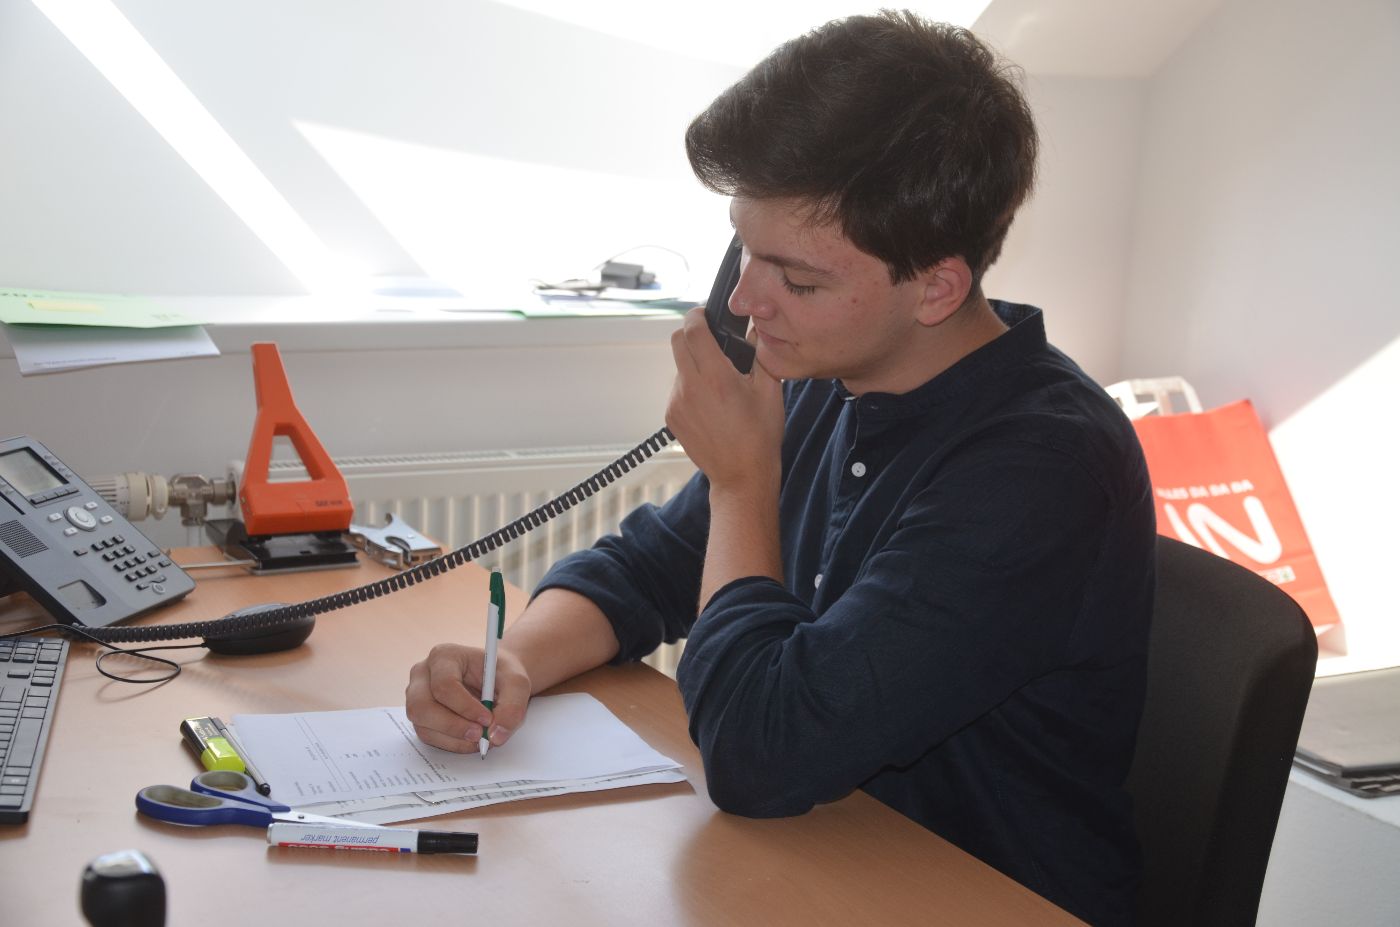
(744, 537)
(560, 635)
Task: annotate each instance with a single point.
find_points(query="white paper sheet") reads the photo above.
(323, 756)
(55, 348)
(393, 809)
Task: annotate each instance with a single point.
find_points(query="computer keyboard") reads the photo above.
(30, 671)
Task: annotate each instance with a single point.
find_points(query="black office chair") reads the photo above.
(1231, 660)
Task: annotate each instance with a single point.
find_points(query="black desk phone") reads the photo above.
(65, 546)
(50, 534)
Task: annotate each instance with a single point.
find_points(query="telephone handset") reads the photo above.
(266, 622)
(729, 329)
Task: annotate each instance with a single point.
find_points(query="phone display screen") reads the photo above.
(27, 473)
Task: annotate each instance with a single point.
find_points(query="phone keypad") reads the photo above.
(142, 569)
(124, 558)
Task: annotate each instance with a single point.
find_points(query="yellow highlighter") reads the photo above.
(209, 744)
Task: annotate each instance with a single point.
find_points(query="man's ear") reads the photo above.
(947, 286)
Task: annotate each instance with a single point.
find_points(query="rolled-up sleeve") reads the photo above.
(645, 578)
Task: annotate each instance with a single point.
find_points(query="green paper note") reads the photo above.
(49, 307)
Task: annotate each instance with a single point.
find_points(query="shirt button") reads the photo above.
(817, 583)
(857, 469)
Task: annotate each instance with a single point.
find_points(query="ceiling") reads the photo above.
(1092, 38)
(1086, 38)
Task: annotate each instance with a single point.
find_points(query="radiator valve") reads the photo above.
(134, 495)
(194, 494)
(141, 495)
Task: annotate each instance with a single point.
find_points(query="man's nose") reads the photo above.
(746, 300)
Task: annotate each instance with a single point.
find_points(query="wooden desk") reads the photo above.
(654, 854)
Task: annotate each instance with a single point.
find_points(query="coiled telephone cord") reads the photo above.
(272, 617)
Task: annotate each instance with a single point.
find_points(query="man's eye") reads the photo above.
(796, 290)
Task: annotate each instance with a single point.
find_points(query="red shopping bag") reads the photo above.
(1218, 486)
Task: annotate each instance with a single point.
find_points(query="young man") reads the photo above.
(918, 560)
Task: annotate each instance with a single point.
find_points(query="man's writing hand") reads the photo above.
(443, 698)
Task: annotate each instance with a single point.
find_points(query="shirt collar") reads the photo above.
(1025, 335)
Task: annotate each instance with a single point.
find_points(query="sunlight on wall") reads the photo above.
(1346, 498)
(488, 226)
(105, 37)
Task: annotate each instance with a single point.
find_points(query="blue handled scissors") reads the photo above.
(220, 796)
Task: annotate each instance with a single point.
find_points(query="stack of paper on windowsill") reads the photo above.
(368, 765)
(52, 331)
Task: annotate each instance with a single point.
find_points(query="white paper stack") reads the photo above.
(368, 765)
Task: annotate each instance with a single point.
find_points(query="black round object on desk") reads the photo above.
(123, 889)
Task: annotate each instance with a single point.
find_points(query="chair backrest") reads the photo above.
(1231, 661)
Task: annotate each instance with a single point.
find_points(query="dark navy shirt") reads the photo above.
(962, 626)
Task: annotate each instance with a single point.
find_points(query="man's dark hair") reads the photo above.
(913, 137)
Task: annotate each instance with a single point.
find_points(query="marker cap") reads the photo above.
(446, 842)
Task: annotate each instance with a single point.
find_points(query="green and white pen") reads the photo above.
(495, 627)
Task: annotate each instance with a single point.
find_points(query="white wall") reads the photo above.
(481, 387)
(1264, 263)
(105, 204)
(97, 200)
(1068, 249)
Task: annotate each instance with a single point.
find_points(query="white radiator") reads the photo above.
(456, 498)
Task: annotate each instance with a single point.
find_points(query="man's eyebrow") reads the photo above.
(792, 263)
(785, 262)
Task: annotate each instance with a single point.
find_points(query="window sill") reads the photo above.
(302, 324)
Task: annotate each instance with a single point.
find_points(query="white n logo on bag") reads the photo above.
(1264, 548)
